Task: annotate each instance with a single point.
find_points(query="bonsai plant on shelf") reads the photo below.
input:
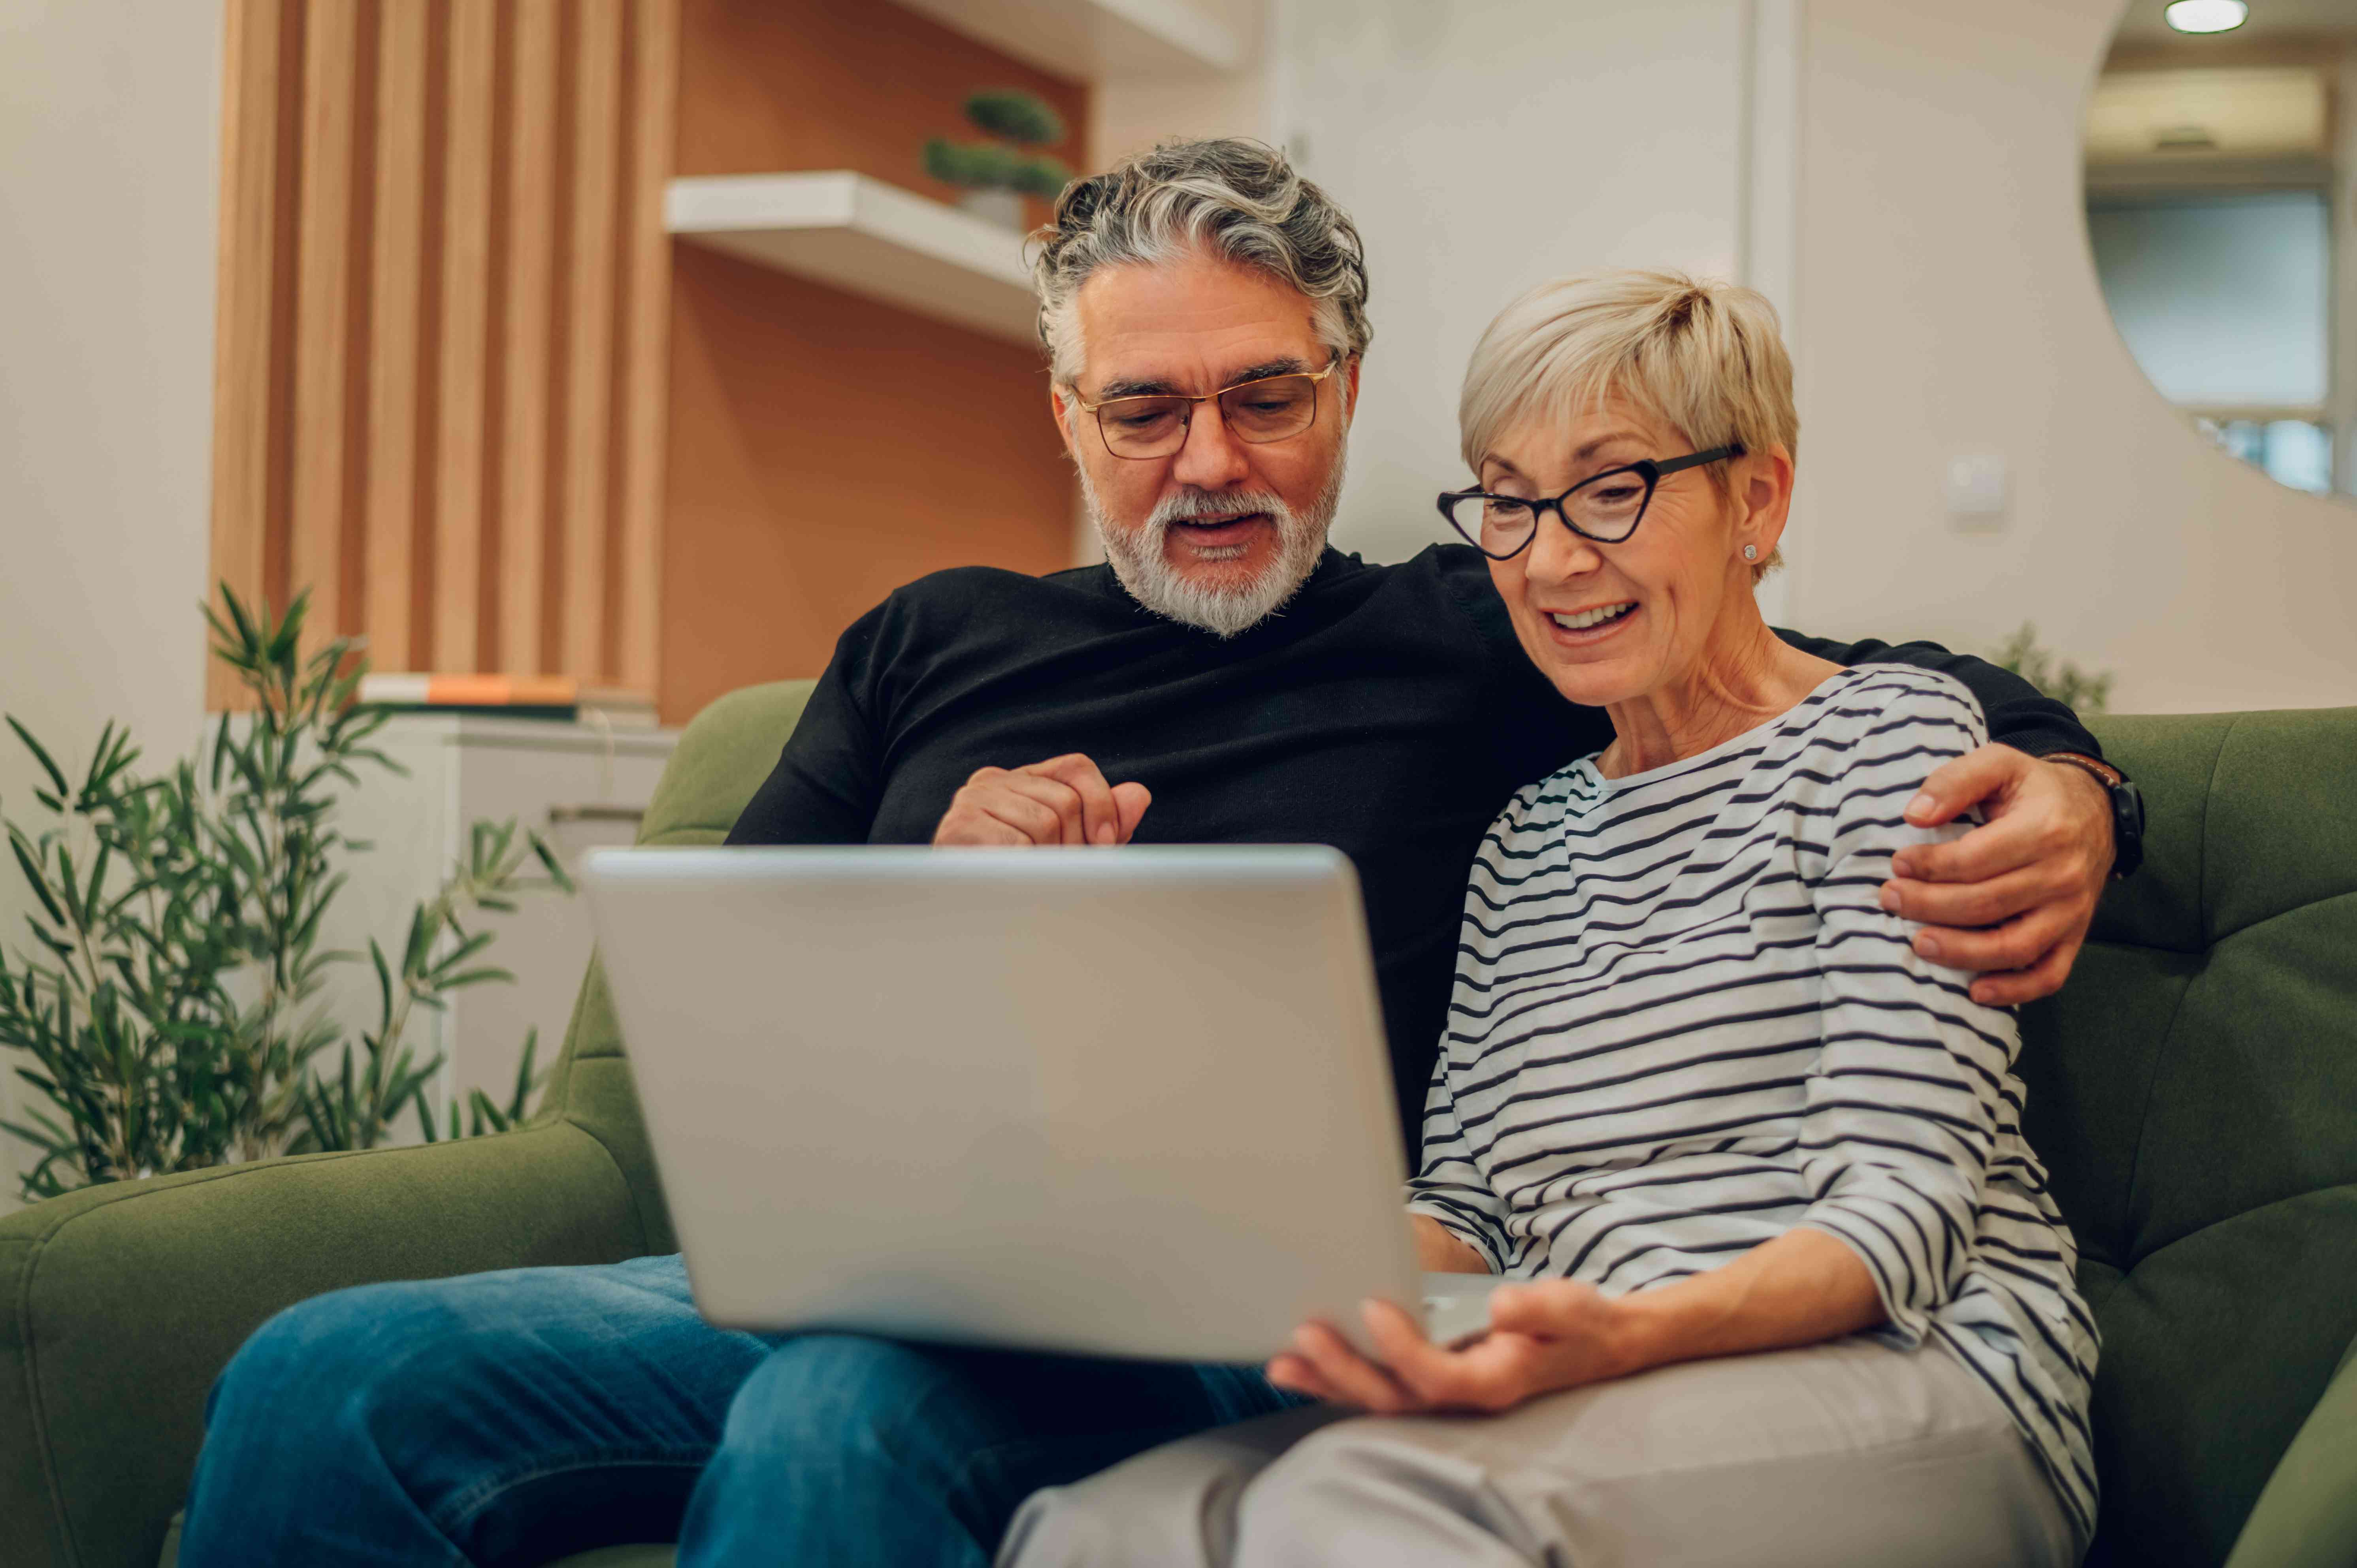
(172, 1010)
(999, 174)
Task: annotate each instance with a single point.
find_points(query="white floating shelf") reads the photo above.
(863, 235)
(1093, 39)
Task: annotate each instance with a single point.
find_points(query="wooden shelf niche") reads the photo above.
(840, 228)
(856, 397)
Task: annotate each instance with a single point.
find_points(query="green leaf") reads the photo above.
(526, 1080)
(383, 984)
(462, 951)
(1015, 114)
(555, 868)
(247, 637)
(56, 779)
(414, 959)
(33, 877)
(425, 1114)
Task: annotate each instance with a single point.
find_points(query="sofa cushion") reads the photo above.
(2193, 1092)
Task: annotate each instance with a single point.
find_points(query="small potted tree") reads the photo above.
(997, 175)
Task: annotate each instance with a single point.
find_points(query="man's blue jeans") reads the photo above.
(511, 1418)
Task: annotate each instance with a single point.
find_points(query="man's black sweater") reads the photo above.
(1388, 711)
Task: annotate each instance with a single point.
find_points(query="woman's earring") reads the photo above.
(1751, 552)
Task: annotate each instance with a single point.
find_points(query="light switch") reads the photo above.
(1976, 490)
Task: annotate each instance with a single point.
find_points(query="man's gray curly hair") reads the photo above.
(1237, 200)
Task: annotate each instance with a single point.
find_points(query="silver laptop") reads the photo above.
(1123, 1102)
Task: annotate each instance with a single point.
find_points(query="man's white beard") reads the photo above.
(1137, 559)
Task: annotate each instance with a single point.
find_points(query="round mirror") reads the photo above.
(2221, 142)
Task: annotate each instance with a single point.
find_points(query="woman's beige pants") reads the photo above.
(1847, 1453)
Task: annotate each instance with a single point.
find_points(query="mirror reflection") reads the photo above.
(2219, 148)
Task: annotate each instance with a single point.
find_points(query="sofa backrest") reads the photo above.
(722, 758)
(2194, 1094)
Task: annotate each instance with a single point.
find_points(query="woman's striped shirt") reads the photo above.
(1683, 1026)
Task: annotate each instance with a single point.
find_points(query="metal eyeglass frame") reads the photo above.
(1186, 422)
(1645, 469)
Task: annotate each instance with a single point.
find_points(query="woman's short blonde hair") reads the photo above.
(1706, 357)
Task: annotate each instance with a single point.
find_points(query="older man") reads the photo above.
(1224, 678)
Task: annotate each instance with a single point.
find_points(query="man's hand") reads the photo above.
(2030, 873)
(1064, 801)
(1541, 1337)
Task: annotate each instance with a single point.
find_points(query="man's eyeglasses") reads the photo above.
(1154, 425)
(1604, 507)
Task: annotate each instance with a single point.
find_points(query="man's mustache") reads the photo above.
(1191, 506)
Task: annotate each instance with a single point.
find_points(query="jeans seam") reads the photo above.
(455, 1513)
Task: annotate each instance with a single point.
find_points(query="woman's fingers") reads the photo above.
(1545, 1307)
(1353, 1378)
(1434, 1376)
(1294, 1372)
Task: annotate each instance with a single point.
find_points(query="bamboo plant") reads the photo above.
(171, 1006)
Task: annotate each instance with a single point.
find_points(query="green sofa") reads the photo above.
(2194, 1091)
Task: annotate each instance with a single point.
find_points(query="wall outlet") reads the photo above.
(1977, 487)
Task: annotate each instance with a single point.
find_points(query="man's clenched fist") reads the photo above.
(1062, 800)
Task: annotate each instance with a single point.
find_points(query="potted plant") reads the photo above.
(999, 174)
(171, 1011)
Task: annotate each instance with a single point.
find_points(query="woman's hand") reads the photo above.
(1802, 1287)
(1543, 1337)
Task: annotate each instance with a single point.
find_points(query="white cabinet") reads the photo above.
(577, 784)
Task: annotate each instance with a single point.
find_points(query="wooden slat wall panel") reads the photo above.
(531, 264)
(443, 312)
(252, 183)
(588, 357)
(323, 307)
(646, 324)
(460, 443)
(397, 296)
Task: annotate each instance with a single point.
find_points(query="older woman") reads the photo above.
(1797, 1291)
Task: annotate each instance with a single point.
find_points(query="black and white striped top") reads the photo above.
(1683, 1026)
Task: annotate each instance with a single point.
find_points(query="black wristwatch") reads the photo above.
(2128, 809)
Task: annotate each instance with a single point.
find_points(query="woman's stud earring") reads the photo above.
(1751, 552)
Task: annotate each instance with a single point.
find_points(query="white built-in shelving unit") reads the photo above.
(859, 234)
(1094, 39)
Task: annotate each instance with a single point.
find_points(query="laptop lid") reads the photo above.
(1127, 1101)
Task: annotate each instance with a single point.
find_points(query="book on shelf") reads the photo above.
(509, 697)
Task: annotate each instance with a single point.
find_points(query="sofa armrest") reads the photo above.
(119, 1304)
(2307, 1516)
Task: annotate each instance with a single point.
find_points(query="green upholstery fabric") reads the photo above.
(120, 1303)
(2194, 1091)
(722, 759)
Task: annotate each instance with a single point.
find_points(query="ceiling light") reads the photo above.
(2206, 15)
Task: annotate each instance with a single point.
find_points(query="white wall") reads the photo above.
(1949, 306)
(1483, 147)
(1129, 114)
(109, 115)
